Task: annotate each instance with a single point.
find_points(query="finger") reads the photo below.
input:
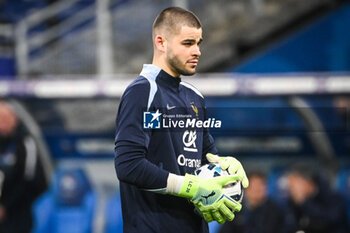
(227, 213)
(225, 162)
(233, 205)
(212, 158)
(234, 166)
(207, 216)
(225, 180)
(237, 168)
(245, 181)
(218, 217)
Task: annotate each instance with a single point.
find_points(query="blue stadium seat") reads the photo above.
(214, 227)
(277, 185)
(114, 220)
(343, 187)
(68, 206)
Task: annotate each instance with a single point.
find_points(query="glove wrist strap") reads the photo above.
(189, 186)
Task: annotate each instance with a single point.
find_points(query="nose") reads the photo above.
(196, 51)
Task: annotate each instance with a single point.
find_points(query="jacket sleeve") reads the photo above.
(131, 142)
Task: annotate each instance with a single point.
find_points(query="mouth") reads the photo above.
(193, 62)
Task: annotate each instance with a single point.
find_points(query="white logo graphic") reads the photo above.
(156, 115)
(189, 140)
(170, 107)
(157, 120)
(183, 161)
(151, 120)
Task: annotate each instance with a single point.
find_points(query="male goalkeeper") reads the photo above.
(154, 166)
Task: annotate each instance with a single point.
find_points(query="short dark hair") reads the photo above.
(171, 18)
(304, 170)
(258, 173)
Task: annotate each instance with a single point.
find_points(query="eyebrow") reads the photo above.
(193, 40)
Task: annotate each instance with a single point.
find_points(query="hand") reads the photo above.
(231, 164)
(208, 197)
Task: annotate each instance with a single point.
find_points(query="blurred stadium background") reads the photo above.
(276, 70)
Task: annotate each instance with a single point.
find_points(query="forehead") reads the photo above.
(296, 176)
(186, 32)
(255, 178)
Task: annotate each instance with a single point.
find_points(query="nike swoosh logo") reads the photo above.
(170, 107)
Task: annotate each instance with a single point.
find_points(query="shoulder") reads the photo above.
(146, 81)
(192, 89)
(139, 87)
(144, 88)
(150, 72)
(139, 83)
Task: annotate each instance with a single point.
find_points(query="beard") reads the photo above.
(177, 66)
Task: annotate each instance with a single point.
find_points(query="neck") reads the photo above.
(161, 63)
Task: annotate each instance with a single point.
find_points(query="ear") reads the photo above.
(160, 43)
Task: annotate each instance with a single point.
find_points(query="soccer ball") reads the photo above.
(211, 170)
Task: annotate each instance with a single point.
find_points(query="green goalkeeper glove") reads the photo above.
(208, 197)
(231, 164)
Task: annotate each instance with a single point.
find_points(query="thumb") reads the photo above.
(245, 182)
(212, 158)
(225, 180)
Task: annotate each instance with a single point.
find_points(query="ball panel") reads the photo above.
(211, 170)
(235, 191)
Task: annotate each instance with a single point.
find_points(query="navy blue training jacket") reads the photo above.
(144, 157)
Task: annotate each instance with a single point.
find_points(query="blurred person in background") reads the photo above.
(313, 206)
(261, 214)
(21, 175)
(342, 106)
